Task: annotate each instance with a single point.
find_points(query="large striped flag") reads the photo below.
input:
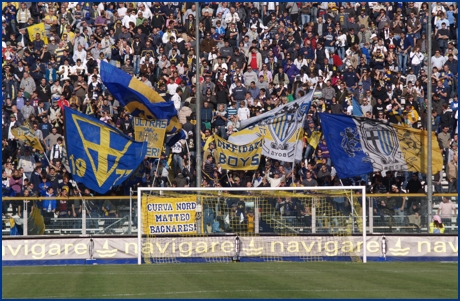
(283, 129)
(361, 145)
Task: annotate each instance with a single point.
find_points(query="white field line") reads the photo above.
(232, 291)
(153, 272)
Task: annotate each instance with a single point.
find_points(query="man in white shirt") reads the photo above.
(223, 10)
(380, 46)
(79, 69)
(121, 10)
(64, 70)
(176, 98)
(146, 13)
(270, 7)
(147, 59)
(167, 35)
(243, 111)
(219, 65)
(129, 17)
(80, 54)
(10, 126)
(232, 16)
(172, 87)
(416, 58)
(98, 78)
(349, 108)
(437, 60)
(436, 8)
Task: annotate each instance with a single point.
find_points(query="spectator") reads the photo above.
(436, 226)
(276, 180)
(243, 111)
(445, 209)
(27, 162)
(453, 174)
(309, 181)
(415, 215)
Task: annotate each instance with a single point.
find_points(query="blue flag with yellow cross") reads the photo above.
(100, 156)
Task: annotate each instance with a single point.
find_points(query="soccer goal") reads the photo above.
(251, 224)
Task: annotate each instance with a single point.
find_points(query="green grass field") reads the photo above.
(236, 280)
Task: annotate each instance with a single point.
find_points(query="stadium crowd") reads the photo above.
(253, 57)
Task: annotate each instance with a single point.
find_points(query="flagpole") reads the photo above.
(293, 160)
(429, 123)
(83, 211)
(198, 98)
(47, 159)
(156, 172)
(145, 140)
(298, 134)
(188, 155)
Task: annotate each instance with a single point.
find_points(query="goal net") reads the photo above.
(251, 224)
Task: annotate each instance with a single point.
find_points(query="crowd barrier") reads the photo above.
(124, 222)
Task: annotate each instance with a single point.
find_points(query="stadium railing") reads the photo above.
(125, 222)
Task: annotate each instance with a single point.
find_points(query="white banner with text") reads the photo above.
(185, 247)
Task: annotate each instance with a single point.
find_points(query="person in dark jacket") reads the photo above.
(181, 181)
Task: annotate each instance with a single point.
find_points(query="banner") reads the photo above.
(152, 131)
(398, 247)
(37, 28)
(361, 145)
(100, 156)
(286, 150)
(283, 129)
(300, 106)
(238, 157)
(169, 215)
(247, 135)
(27, 135)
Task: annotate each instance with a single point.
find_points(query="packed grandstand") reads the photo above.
(356, 58)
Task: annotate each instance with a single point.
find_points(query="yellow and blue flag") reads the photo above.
(27, 135)
(100, 156)
(139, 99)
(361, 145)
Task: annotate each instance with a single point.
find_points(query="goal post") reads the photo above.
(268, 224)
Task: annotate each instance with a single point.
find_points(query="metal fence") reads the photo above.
(123, 218)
